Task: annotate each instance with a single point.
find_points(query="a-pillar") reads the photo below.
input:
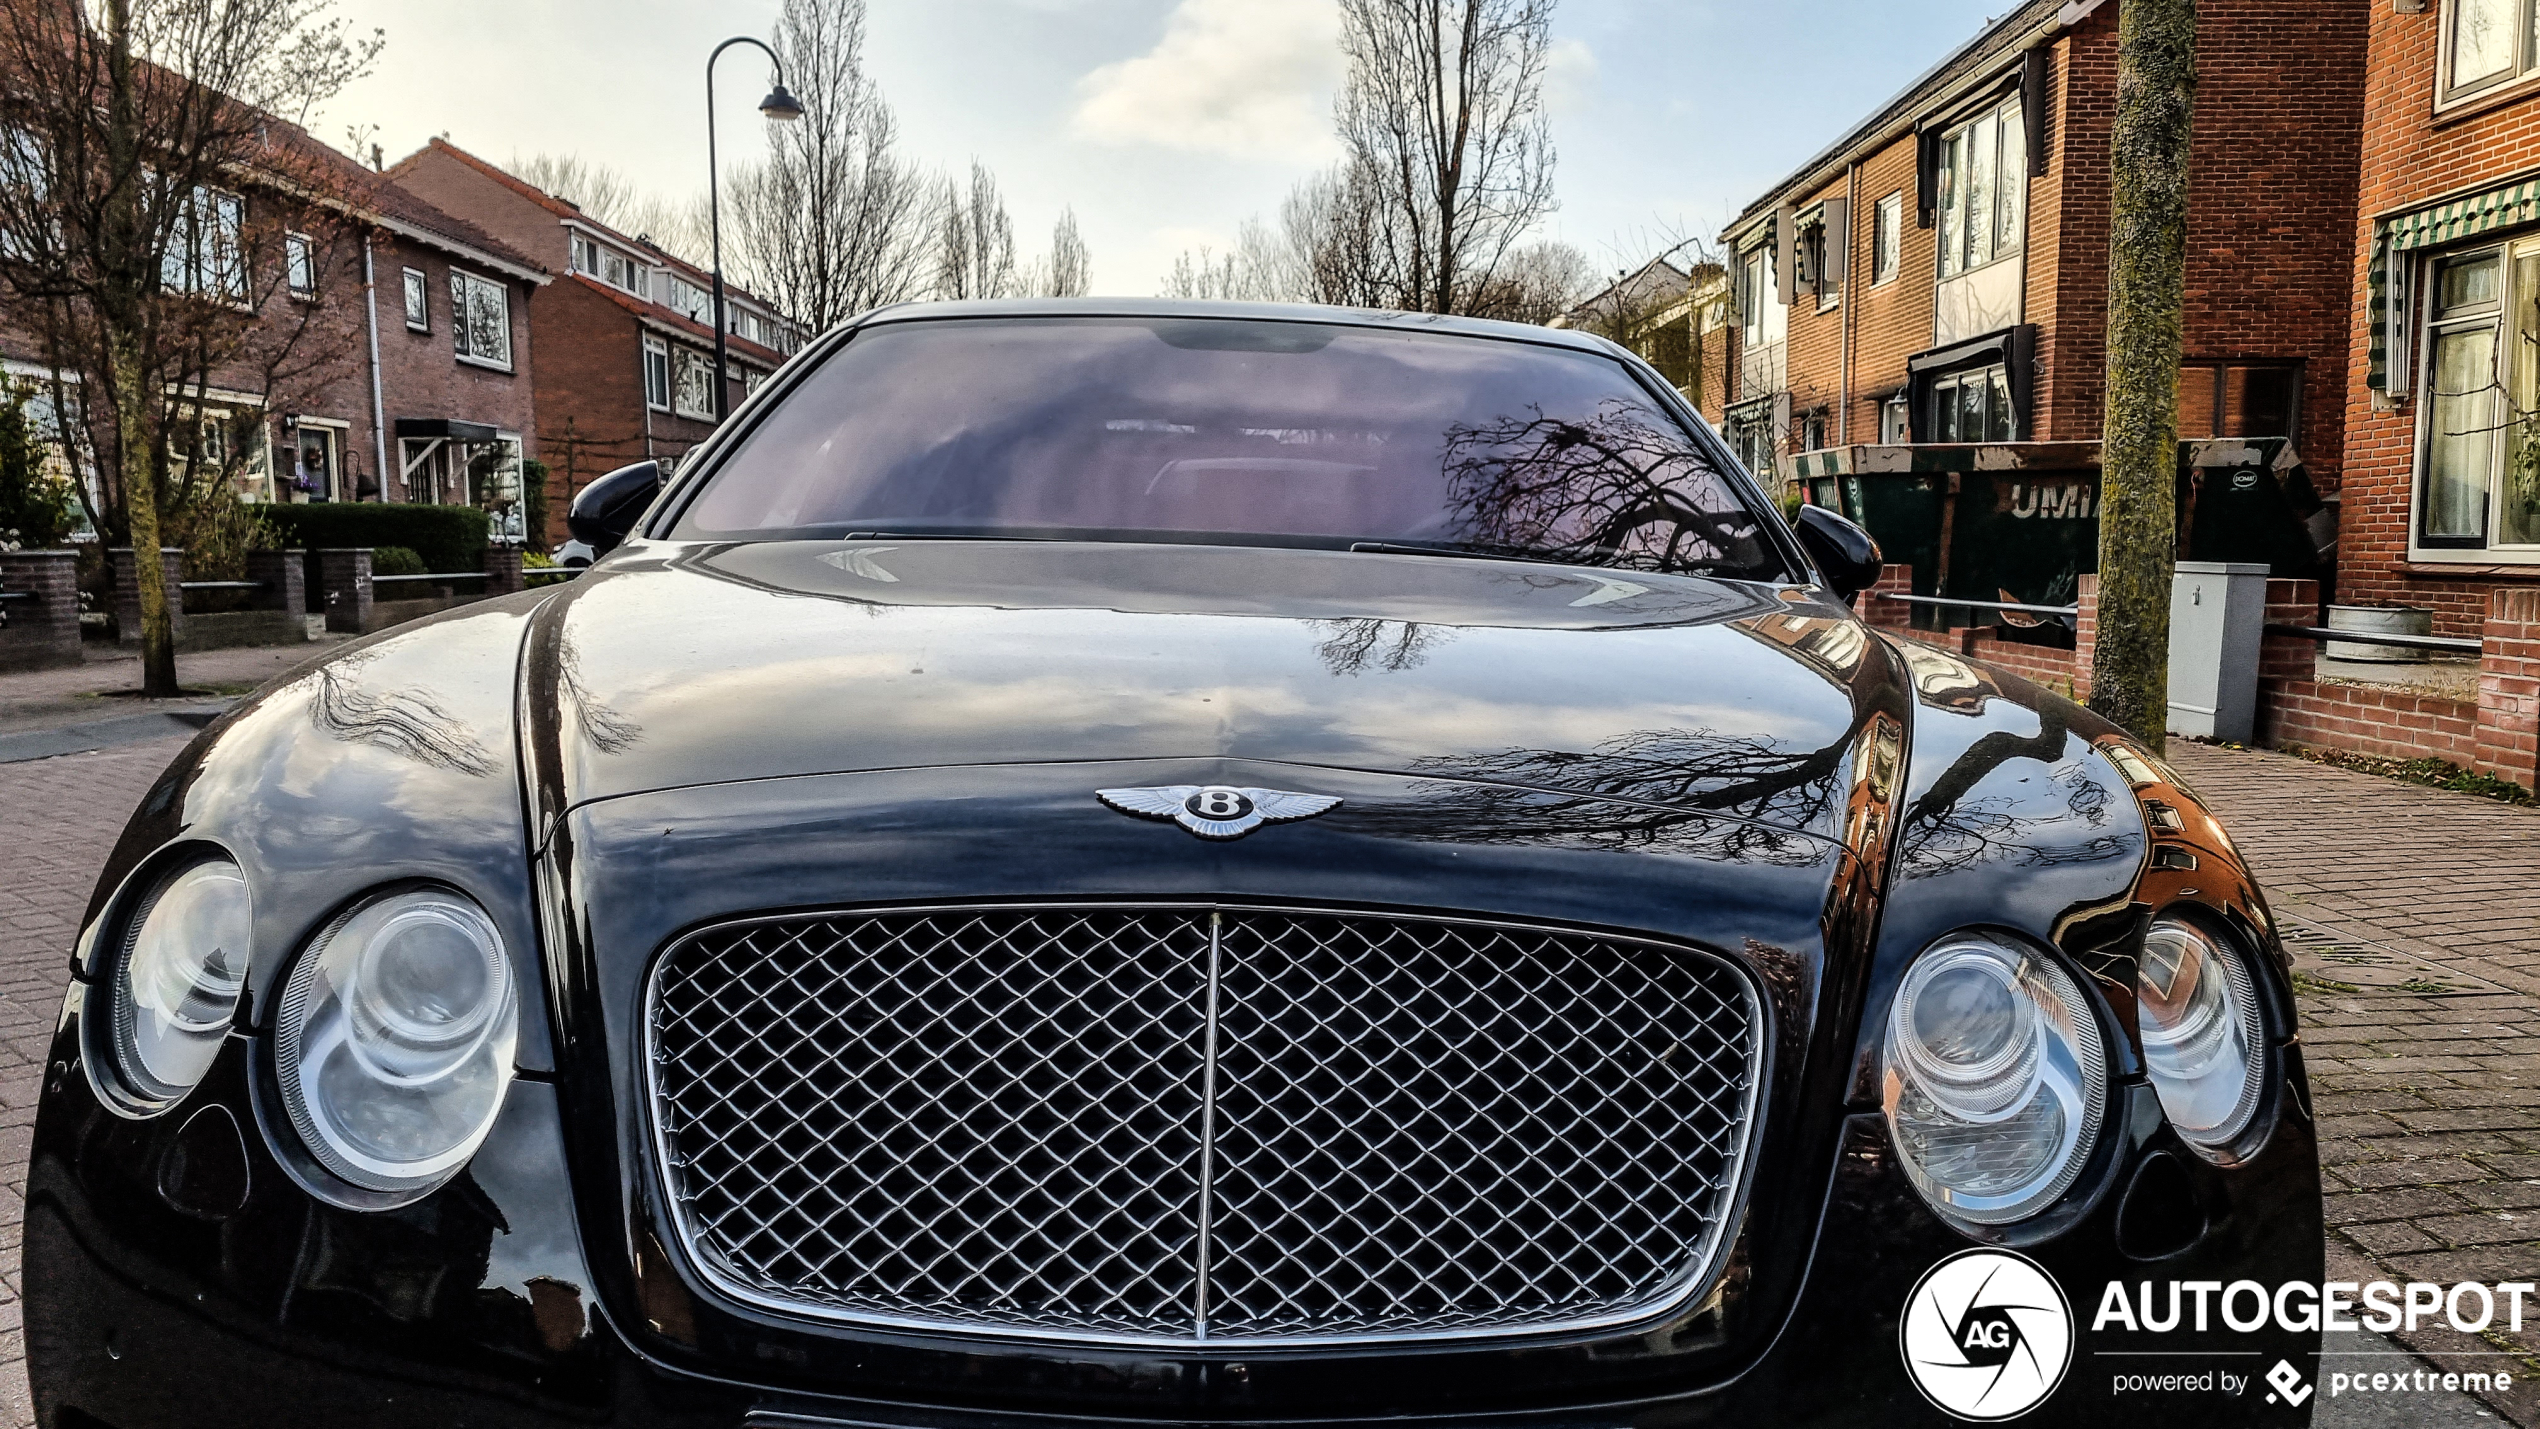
(344, 575)
(127, 569)
(2508, 740)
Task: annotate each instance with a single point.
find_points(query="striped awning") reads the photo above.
(2506, 206)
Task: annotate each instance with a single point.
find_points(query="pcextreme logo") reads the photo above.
(1987, 1335)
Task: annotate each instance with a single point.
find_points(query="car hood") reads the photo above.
(679, 665)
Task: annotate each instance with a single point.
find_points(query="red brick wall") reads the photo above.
(2508, 744)
(590, 378)
(2384, 723)
(2270, 242)
(1892, 321)
(420, 374)
(2410, 156)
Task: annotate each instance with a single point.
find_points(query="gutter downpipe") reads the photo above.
(1854, 285)
(378, 403)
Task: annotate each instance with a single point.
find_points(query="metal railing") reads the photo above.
(2453, 644)
(220, 585)
(20, 595)
(2071, 610)
(432, 576)
(563, 573)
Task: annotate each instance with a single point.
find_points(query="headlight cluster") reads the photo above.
(177, 978)
(2204, 1039)
(394, 1040)
(1997, 1082)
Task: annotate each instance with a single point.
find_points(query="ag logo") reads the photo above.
(1987, 1335)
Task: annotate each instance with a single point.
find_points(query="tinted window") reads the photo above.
(1164, 429)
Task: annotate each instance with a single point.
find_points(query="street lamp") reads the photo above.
(779, 104)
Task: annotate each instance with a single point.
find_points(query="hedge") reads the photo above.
(449, 538)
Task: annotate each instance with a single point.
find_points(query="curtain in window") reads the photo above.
(2463, 446)
(481, 311)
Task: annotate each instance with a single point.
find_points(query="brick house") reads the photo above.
(1678, 321)
(2442, 508)
(626, 336)
(1921, 306)
(442, 409)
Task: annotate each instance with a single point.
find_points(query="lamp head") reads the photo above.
(781, 104)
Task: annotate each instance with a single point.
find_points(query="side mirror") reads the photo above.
(604, 513)
(1844, 552)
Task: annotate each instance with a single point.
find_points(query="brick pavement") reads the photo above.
(2432, 1129)
(63, 816)
(2429, 1107)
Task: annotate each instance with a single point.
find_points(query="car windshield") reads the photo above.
(1229, 430)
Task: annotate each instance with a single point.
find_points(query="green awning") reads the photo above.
(2507, 206)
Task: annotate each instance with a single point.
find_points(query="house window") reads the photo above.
(1813, 275)
(586, 256)
(2238, 399)
(2485, 44)
(418, 301)
(690, 301)
(693, 395)
(1983, 189)
(1754, 290)
(203, 252)
(1751, 436)
(1973, 405)
(299, 264)
(2480, 417)
(1896, 421)
(623, 273)
(480, 319)
(1887, 238)
(657, 374)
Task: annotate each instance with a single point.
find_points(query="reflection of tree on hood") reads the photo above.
(1658, 789)
(1616, 489)
(1948, 829)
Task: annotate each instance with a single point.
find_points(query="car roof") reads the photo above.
(1264, 312)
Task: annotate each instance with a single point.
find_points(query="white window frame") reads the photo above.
(299, 265)
(586, 256)
(685, 360)
(463, 286)
(206, 250)
(1896, 420)
(2429, 327)
(418, 299)
(656, 374)
(2521, 74)
(1887, 239)
(2008, 121)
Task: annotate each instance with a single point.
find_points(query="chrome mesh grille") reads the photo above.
(1176, 1124)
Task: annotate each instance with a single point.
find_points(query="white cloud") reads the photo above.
(1235, 77)
(1569, 76)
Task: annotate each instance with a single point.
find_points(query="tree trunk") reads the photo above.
(2147, 253)
(141, 507)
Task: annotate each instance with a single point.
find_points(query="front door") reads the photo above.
(317, 469)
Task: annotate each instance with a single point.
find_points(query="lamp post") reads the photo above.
(778, 105)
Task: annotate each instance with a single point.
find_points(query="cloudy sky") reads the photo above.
(1164, 123)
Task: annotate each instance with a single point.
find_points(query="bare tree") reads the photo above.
(1536, 284)
(1068, 271)
(974, 239)
(835, 221)
(677, 226)
(1260, 268)
(134, 261)
(1442, 117)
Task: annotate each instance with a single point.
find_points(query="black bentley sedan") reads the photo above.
(1103, 864)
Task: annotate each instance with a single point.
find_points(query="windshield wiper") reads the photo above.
(1538, 558)
(937, 536)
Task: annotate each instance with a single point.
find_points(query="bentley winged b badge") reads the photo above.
(1218, 811)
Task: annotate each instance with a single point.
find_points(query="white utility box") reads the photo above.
(2218, 616)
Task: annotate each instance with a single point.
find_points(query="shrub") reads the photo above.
(448, 538)
(533, 501)
(396, 561)
(216, 534)
(37, 510)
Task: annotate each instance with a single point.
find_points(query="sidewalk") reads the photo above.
(76, 695)
(2429, 1101)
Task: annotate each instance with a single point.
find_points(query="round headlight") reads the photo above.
(1997, 1082)
(395, 1037)
(2202, 1034)
(177, 979)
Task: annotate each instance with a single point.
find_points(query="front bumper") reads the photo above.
(164, 1290)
